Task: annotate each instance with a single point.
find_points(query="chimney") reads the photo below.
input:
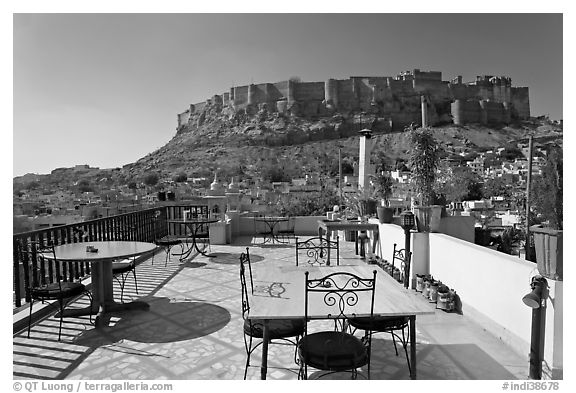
(424, 102)
(364, 167)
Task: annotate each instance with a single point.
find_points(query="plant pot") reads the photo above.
(433, 295)
(442, 300)
(426, 289)
(419, 282)
(369, 206)
(385, 214)
(548, 244)
(396, 274)
(428, 218)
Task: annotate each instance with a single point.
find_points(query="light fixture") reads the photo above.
(534, 298)
(407, 222)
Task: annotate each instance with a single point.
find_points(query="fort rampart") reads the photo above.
(487, 100)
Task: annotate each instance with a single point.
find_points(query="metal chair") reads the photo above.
(335, 351)
(391, 325)
(41, 271)
(397, 326)
(288, 331)
(166, 242)
(121, 269)
(259, 229)
(316, 250)
(288, 232)
(400, 256)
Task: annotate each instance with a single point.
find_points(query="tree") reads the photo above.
(496, 187)
(180, 177)
(458, 183)
(310, 204)
(510, 153)
(424, 158)
(548, 189)
(383, 186)
(151, 179)
(382, 162)
(32, 185)
(84, 186)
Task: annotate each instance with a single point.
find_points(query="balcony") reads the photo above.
(193, 330)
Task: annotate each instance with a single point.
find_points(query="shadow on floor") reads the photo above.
(436, 362)
(227, 258)
(192, 265)
(164, 322)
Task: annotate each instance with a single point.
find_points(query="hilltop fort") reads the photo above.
(419, 97)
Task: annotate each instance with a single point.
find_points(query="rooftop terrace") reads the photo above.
(193, 331)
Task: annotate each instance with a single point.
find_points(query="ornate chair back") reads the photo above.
(341, 296)
(316, 250)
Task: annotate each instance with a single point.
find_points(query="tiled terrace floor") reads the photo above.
(193, 330)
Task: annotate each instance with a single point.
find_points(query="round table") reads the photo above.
(101, 273)
(194, 226)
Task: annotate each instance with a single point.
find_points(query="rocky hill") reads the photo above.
(238, 143)
(243, 144)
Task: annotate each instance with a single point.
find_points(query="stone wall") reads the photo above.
(486, 100)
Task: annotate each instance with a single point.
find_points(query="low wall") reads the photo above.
(491, 282)
(246, 226)
(491, 286)
(307, 225)
(461, 227)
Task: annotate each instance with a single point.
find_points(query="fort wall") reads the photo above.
(486, 100)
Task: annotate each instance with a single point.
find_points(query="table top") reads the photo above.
(107, 250)
(328, 224)
(279, 293)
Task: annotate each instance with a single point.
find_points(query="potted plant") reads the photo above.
(424, 159)
(447, 298)
(383, 190)
(360, 203)
(426, 285)
(419, 282)
(548, 237)
(434, 290)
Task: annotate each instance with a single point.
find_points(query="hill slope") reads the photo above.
(237, 144)
(244, 145)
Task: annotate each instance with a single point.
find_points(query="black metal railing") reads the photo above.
(143, 225)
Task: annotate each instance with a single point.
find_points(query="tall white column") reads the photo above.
(364, 167)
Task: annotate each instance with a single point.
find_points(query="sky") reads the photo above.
(105, 89)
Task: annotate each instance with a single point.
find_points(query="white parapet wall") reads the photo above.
(390, 234)
(490, 285)
(244, 224)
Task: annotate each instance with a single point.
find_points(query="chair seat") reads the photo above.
(168, 241)
(58, 291)
(333, 351)
(379, 324)
(279, 328)
(122, 267)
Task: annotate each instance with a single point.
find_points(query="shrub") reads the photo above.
(424, 161)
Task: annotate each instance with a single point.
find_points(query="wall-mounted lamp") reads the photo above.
(407, 222)
(536, 300)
